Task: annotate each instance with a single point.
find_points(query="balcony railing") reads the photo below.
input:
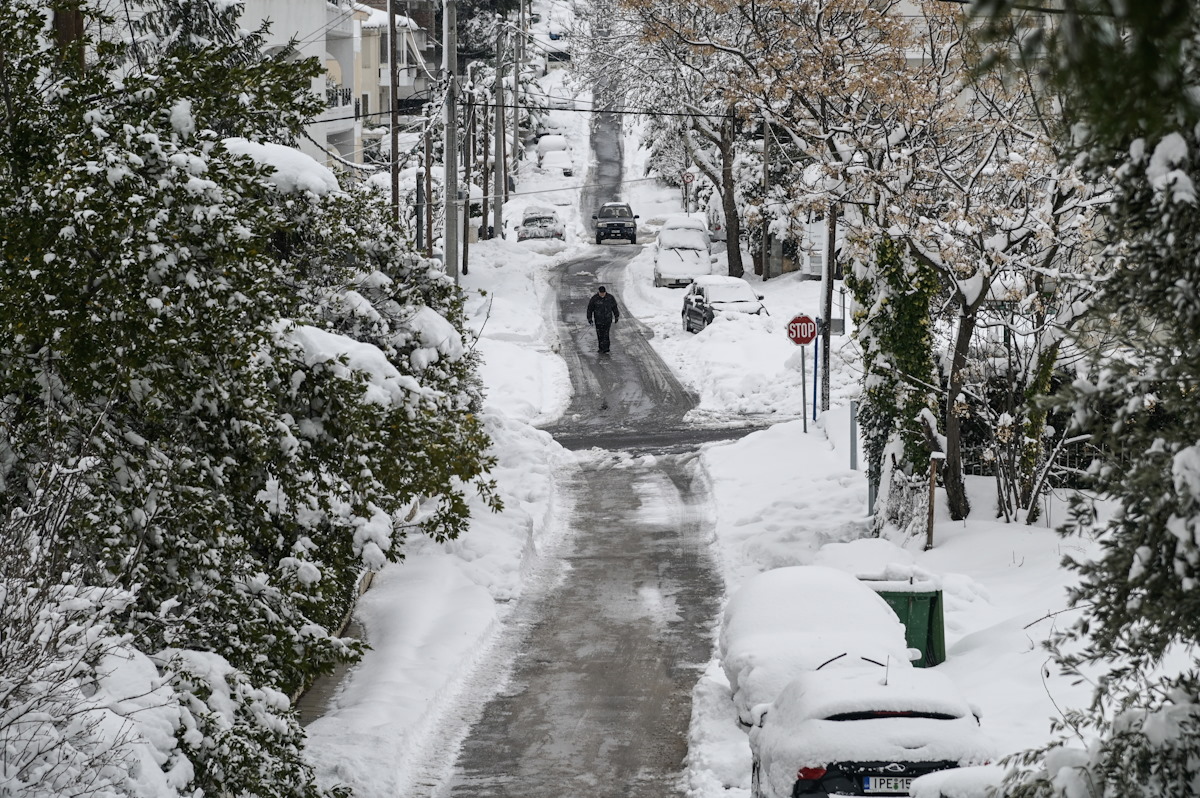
(337, 96)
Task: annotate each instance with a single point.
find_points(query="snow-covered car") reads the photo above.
(709, 297)
(552, 142)
(788, 621)
(681, 254)
(862, 731)
(560, 98)
(615, 220)
(690, 221)
(558, 162)
(539, 222)
(548, 126)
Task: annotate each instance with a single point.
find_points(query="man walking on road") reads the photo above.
(602, 311)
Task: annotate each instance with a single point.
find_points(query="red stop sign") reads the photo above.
(802, 330)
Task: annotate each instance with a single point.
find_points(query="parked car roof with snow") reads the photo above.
(786, 621)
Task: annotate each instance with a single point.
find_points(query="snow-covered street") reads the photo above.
(683, 399)
(446, 623)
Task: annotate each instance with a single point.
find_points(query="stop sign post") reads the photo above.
(802, 330)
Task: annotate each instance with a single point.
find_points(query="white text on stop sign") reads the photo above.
(802, 329)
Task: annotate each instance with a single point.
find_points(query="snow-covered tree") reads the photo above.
(260, 390)
(658, 51)
(1138, 621)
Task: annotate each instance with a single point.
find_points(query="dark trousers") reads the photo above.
(602, 334)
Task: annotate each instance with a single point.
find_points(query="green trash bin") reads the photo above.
(920, 610)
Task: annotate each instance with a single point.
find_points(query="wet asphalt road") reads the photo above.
(596, 699)
(599, 699)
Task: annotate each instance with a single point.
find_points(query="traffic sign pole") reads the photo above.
(816, 373)
(803, 390)
(802, 330)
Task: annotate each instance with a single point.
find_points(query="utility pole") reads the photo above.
(827, 302)
(394, 138)
(450, 118)
(428, 185)
(68, 35)
(483, 175)
(420, 220)
(468, 167)
(498, 177)
(765, 271)
(518, 58)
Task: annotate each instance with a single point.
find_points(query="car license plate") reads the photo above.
(887, 785)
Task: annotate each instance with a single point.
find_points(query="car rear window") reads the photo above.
(890, 713)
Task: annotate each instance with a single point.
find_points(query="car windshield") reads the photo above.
(617, 212)
(731, 293)
(682, 238)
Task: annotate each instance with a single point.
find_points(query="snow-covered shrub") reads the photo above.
(251, 376)
(893, 325)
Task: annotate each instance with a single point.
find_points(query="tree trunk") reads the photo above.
(952, 476)
(1035, 427)
(733, 228)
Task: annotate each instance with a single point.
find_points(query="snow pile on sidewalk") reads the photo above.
(431, 617)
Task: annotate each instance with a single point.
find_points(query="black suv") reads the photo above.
(615, 220)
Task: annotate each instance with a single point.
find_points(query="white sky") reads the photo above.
(781, 497)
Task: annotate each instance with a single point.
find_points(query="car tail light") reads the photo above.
(810, 774)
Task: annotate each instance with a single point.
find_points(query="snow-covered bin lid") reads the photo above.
(901, 578)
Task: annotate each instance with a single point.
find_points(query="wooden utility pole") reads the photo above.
(468, 167)
(765, 258)
(394, 138)
(450, 137)
(827, 302)
(428, 187)
(68, 35)
(518, 58)
(499, 178)
(483, 175)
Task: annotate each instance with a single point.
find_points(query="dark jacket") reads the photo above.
(603, 309)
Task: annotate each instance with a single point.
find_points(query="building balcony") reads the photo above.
(338, 96)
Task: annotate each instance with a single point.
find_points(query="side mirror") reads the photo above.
(758, 296)
(635, 216)
(594, 216)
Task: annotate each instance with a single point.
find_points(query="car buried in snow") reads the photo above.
(862, 731)
(800, 618)
(682, 252)
(540, 223)
(714, 295)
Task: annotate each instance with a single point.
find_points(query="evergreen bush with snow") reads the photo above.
(258, 389)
